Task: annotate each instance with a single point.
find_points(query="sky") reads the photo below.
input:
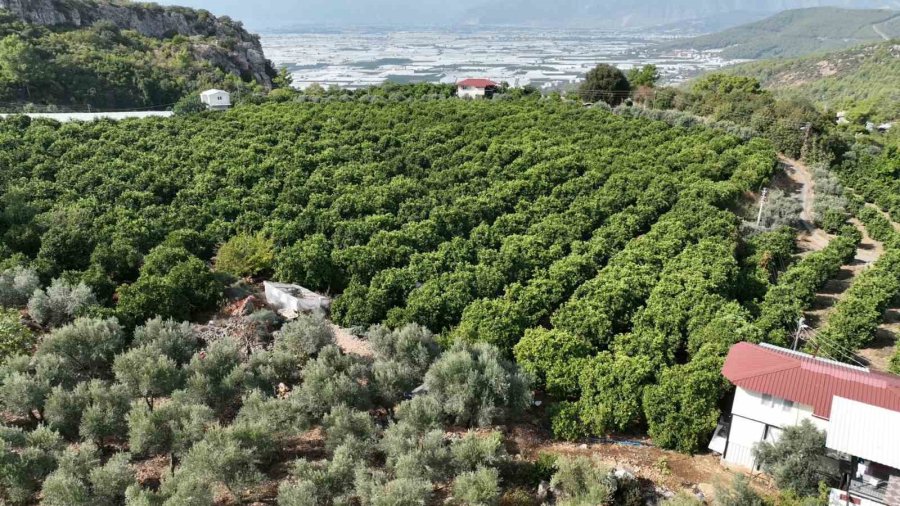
(262, 15)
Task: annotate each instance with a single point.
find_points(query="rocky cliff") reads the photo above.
(219, 40)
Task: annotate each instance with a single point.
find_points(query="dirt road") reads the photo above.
(813, 238)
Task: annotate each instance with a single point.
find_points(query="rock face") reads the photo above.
(222, 41)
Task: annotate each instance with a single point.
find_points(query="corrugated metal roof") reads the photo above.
(808, 380)
(477, 83)
(865, 431)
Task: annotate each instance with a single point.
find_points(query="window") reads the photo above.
(787, 405)
(767, 400)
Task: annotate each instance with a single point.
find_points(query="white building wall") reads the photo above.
(773, 410)
(743, 435)
(756, 417)
(470, 92)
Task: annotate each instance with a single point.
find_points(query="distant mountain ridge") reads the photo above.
(647, 13)
(799, 32)
(230, 47)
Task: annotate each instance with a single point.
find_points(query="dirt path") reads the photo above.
(350, 343)
(800, 182)
(868, 252)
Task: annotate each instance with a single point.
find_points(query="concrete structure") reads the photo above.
(65, 117)
(476, 88)
(291, 300)
(858, 409)
(216, 100)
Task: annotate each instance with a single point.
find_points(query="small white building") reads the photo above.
(858, 409)
(291, 300)
(476, 88)
(216, 100)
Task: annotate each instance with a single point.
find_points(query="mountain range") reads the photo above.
(705, 14)
(799, 32)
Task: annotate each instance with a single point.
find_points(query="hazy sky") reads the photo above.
(272, 13)
(262, 14)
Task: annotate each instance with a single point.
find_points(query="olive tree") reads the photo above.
(85, 348)
(480, 487)
(17, 285)
(82, 480)
(172, 428)
(176, 340)
(475, 385)
(795, 460)
(147, 373)
(26, 458)
(60, 303)
(93, 410)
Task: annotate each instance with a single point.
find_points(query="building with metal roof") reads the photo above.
(858, 409)
(476, 88)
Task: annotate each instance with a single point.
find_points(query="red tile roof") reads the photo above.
(477, 83)
(808, 380)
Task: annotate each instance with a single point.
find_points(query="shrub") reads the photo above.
(82, 480)
(581, 480)
(332, 379)
(379, 491)
(473, 451)
(214, 377)
(218, 459)
(738, 494)
(476, 386)
(26, 458)
(84, 349)
(343, 423)
(15, 338)
(305, 336)
(173, 284)
(246, 255)
(60, 303)
(423, 413)
(177, 341)
(93, 410)
(147, 373)
(402, 358)
(480, 487)
(17, 285)
(795, 461)
(551, 357)
(682, 407)
(171, 428)
(308, 262)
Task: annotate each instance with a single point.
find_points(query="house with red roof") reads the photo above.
(858, 409)
(476, 88)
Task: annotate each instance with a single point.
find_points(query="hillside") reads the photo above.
(799, 32)
(80, 53)
(862, 79)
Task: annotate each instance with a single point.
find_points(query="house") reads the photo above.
(476, 88)
(216, 100)
(858, 409)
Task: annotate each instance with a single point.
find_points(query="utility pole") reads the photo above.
(762, 203)
(801, 326)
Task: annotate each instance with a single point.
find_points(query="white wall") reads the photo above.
(744, 434)
(64, 117)
(865, 431)
(470, 92)
(773, 410)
